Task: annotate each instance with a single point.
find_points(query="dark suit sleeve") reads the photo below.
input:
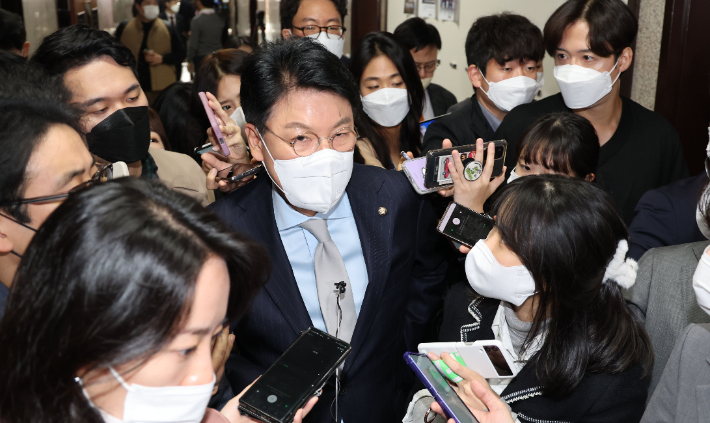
(435, 135)
(623, 399)
(177, 48)
(428, 274)
(654, 224)
(510, 130)
(240, 370)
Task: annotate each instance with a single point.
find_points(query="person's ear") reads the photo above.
(26, 49)
(286, 33)
(254, 142)
(5, 243)
(625, 59)
(590, 177)
(474, 75)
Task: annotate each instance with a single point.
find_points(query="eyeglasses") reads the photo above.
(333, 31)
(101, 175)
(307, 143)
(428, 66)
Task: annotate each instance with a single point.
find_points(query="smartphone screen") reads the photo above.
(498, 361)
(464, 225)
(442, 387)
(296, 375)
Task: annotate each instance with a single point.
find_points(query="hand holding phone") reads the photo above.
(487, 358)
(439, 173)
(464, 225)
(445, 394)
(214, 123)
(297, 376)
(474, 193)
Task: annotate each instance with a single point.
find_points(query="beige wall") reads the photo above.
(40, 17)
(453, 37)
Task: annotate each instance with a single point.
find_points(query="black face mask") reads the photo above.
(122, 137)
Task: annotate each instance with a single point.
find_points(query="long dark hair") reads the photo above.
(566, 231)
(383, 43)
(108, 279)
(174, 107)
(562, 142)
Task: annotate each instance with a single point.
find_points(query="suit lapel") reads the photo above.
(282, 287)
(375, 232)
(699, 249)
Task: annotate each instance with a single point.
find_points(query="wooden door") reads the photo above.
(683, 92)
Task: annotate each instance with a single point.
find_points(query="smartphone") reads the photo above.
(437, 170)
(213, 122)
(297, 376)
(439, 388)
(424, 125)
(415, 169)
(205, 148)
(487, 358)
(248, 173)
(464, 225)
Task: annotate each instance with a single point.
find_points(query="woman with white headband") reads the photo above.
(547, 283)
(591, 43)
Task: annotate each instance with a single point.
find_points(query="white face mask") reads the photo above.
(513, 176)
(489, 278)
(511, 92)
(426, 82)
(148, 404)
(540, 79)
(701, 282)
(316, 182)
(582, 87)
(333, 45)
(387, 106)
(175, 8)
(151, 12)
(238, 118)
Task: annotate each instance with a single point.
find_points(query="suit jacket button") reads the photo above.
(343, 390)
(382, 211)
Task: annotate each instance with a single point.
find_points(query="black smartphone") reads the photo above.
(206, 148)
(464, 225)
(424, 125)
(297, 376)
(248, 173)
(437, 170)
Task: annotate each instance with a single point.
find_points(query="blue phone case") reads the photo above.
(464, 416)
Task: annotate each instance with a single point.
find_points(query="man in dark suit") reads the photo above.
(424, 42)
(373, 232)
(666, 216)
(171, 18)
(498, 48)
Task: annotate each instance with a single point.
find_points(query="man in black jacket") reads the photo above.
(423, 41)
(498, 48)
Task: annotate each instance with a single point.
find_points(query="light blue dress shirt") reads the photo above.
(300, 246)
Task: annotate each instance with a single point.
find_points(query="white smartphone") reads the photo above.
(487, 358)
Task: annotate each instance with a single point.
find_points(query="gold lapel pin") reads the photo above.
(382, 211)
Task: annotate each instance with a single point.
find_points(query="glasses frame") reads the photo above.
(330, 139)
(320, 30)
(95, 180)
(432, 65)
